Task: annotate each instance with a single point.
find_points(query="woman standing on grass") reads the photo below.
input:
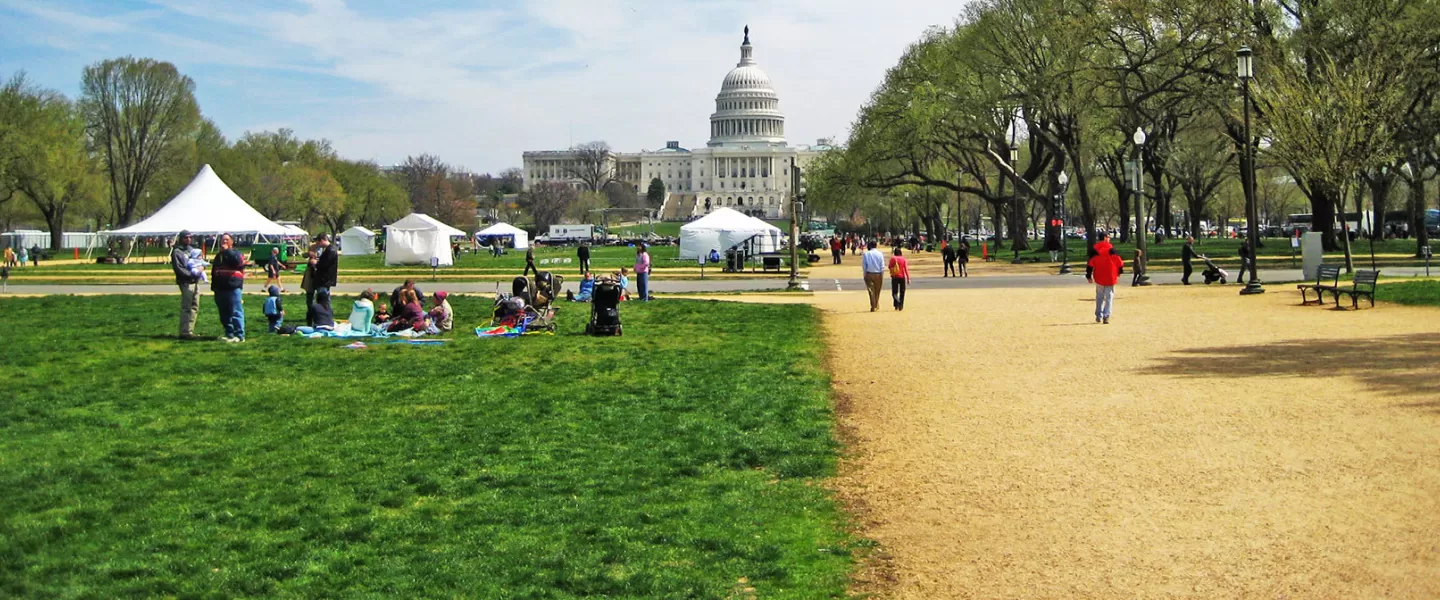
(642, 272)
(899, 278)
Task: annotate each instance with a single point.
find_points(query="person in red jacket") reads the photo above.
(1106, 267)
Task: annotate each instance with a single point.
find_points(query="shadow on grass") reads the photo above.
(1397, 365)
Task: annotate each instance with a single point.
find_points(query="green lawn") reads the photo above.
(1419, 293)
(674, 462)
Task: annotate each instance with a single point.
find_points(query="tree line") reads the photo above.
(136, 136)
(1343, 108)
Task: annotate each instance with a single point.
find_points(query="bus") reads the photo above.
(1358, 224)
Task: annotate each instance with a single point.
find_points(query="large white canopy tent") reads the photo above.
(417, 238)
(205, 207)
(357, 240)
(726, 228)
(520, 239)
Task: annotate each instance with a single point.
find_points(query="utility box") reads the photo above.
(1312, 253)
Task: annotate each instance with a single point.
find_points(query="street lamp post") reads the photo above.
(1061, 213)
(1138, 168)
(1246, 70)
(797, 192)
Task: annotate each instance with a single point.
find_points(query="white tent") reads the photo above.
(205, 207)
(357, 240)
(521, 239)
(417, 238)
(723, 229)
(294, 231)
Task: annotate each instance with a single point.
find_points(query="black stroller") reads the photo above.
(1213, 272)
(546, 286)
(605, 309)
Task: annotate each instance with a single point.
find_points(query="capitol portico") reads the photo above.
(745, 165)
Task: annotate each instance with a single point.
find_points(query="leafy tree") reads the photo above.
(47, 162)
(142, 116)
(656, 194)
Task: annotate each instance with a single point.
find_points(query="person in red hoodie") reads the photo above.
(1106, 267)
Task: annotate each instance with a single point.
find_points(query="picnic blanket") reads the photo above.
(511, 326)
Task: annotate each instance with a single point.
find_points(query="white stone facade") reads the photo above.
(745, 165)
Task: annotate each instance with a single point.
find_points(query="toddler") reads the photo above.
(274, 309)
(197, 263)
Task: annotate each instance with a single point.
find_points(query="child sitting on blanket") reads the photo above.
(382, 314)
(197, 263)
(274, 309)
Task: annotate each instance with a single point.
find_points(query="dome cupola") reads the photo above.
(747, 110)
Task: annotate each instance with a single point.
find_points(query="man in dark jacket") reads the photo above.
(189, 285)
(583, 253)
(326, 267)
(1187, 254)
(530, 261)
(947, 254)
(227, 283)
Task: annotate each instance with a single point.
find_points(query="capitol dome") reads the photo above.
(747, 110)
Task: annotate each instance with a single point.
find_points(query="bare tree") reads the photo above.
(547, 202)
(592, 165)
(140, 114)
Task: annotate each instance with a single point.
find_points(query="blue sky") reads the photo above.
(477, 83)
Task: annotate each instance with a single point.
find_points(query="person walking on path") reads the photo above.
(947, 254)
(530, 262)
(836, 249)
(24, 255)
(642, 272)
(1138, 268)
(1105, 270)
(35, 255)
(272, 270)
(1187, 254)
(899, 278)
(228, 285)
(583, 253)
(325, 269)
(873, 265)
(962, 258)
(188, 283)
(1247, 256)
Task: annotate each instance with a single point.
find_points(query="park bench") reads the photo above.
(1327, 279)
(1364, 285)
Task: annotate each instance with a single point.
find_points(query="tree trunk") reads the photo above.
(1345, 234)
(1322, 208)
(1379, 200)
(1019, 239)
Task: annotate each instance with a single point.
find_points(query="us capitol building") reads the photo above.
(744, 166)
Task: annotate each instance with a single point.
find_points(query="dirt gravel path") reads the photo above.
(1203, 445)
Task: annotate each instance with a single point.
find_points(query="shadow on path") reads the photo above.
(1398, 365)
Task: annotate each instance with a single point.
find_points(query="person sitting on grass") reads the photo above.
(587, 289)
(363, 312)
(408, 313)
(441, 314)
(382, 316)
(395, 299)
(274, 309)
(321, 316)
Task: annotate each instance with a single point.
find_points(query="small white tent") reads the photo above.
(521, 239)
(205, 207)
(723, 229)
(417, 238)
(357, 240)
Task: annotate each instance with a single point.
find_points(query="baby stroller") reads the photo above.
(605, 309)
(546, 286)
(520, 287)
(1213, 272)
(515, 311)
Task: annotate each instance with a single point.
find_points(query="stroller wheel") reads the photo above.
(619, 330)
(1222, 281)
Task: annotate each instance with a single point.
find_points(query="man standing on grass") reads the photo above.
(1106, 267)
(583, 253)
(189, 286)
(873, 265)
(227, 283)
(326, 273)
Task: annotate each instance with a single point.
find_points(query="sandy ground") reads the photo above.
(1203, 445)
